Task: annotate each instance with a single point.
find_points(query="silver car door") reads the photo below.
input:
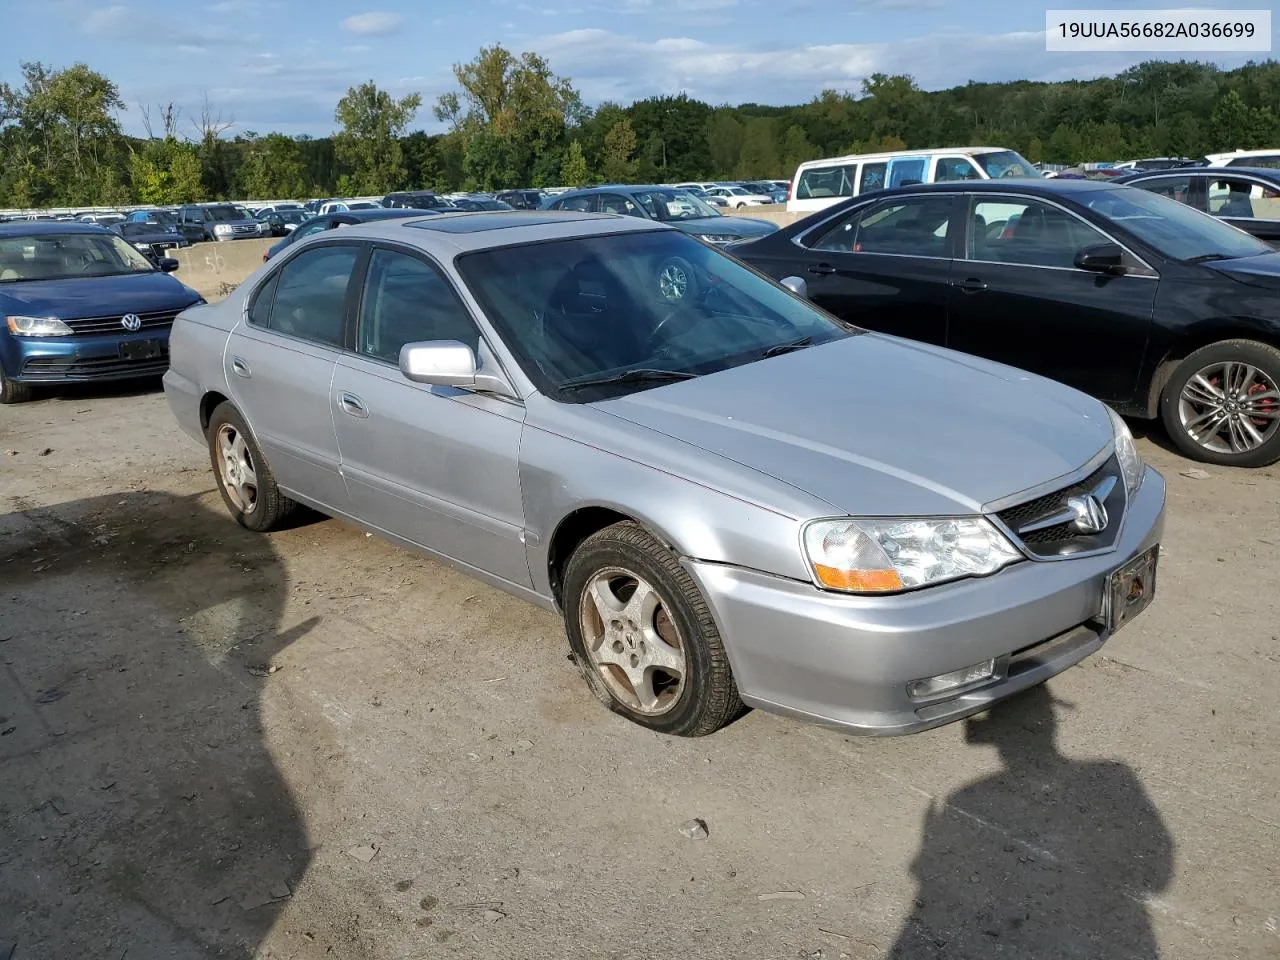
(280, 361)
(434, 465)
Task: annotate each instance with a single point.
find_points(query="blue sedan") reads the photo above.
(81, 304)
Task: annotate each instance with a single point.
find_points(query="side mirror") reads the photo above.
(168, 264)
(1102, 258)
(450, 363)
(796, 285)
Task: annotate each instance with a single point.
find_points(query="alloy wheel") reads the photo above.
(236, 469)
(673, 282)
(633, 642)
(1230, 407)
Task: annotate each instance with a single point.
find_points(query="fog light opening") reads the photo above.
(952, 682)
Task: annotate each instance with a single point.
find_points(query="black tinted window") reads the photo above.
(405, 301)
(917, 226)
(311, 295)
(1012, 230)
(616, 203)
(581, 204)
(1175, 188)
(260, 308)
(955, 168)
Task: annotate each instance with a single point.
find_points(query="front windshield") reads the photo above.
(1174, 229)
(1005, 163)
(673, 205)
(224, 214)
(162, 217)
(53, 256)
(736, 191)
(600, 306)
(361, 205)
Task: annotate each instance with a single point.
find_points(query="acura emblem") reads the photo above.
(1088, 513)
(131, 322)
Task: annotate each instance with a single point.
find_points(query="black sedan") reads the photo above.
(1151, 306)
(330, 220)
(1245, 197)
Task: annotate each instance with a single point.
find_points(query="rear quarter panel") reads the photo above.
(196, 346)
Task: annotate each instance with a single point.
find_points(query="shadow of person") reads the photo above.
(1050, 857)
(142, 812)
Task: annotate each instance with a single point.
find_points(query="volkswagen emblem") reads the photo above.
(131, 322)
(1088, 514)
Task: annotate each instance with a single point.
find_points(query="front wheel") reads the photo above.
(1222, 404)
(11, 391)
(245, 480)
(643, 636)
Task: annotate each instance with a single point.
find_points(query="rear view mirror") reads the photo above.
(450, 363)
(796, 285)
(1102, 258)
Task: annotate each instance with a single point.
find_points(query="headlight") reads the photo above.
(717, 238)
(1131, 466)
(222, 228)
(883, 556)
(37, 326)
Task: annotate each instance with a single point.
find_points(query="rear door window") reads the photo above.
(310, 299)
(1174, 187)
(913, 226)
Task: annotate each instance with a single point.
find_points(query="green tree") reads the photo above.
(166, 172)
(758, 156)
(796, 148)
(574, 172)
(273, 168)
(724, 135)
(673, 131)
(421, 161)
(617, 163)
(369, 143)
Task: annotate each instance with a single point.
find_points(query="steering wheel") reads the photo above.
(662, 324)
(96, 267)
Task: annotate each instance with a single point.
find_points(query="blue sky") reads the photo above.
(283, 64)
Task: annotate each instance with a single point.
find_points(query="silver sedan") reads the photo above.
(733, 498)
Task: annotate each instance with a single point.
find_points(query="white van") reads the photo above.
(820, 183)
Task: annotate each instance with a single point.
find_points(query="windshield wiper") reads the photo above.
(1206, 257)
(779, 348)
(641, 375)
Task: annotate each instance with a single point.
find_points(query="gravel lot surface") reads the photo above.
(316, 745)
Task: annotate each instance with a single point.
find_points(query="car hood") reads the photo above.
(1262, 270)
(878, 426)
(744, 227)
(96, 296)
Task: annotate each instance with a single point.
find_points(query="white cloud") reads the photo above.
(134, 25)
(373, 24)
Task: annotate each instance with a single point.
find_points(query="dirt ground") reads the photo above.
(315, 745)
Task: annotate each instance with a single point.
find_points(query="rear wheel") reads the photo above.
(643, 636)
(1222, 404)
(11, 391)
(245, 480)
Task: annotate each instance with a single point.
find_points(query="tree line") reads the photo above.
(512, 122)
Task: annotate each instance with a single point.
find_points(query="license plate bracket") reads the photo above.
(142, 350)
(1130, 589)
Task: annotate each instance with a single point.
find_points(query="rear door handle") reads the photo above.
(240, 368)
(822, 269)
(970, 284)
(353, 405)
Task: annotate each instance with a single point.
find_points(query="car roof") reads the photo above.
(22, 228)
(453, 233)
(374, 213)
(1269, 172)
(1048, 185)
(615, 188)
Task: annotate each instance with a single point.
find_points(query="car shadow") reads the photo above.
(142, 812)
(1154, 431)
(1049, 857)
(71, 391)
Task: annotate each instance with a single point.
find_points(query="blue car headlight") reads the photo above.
(37, 326)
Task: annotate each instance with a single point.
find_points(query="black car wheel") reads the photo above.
(643, 636)
(1222, 404)
(11, 391)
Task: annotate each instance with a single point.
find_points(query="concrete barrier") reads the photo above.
(215, 269)
(775, 214)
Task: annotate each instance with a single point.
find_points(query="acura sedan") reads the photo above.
(1153, 307)
(733, 499)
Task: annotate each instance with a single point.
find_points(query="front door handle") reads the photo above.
(970, 284)
(353, 405)
(240, 368)
(822, 269)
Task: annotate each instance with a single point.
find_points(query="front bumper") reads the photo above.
(76, 359)
(845, 661)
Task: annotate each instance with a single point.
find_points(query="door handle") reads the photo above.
(240, 368)
(353, 405)
(822, 269)
(970, 284)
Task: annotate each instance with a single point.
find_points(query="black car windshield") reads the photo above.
(224, 214)
(657, 305)
(1005, 163)
(153, 217)
(54, 256)
(673, 205)
(1174, 229)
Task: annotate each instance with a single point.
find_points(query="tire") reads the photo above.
(677, 282)
(11, 391)
(1190, 407)
(267, 508)
(625, 564)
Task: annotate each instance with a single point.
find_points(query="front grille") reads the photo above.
(91, 368)
(158, 320)
(1064, 539)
